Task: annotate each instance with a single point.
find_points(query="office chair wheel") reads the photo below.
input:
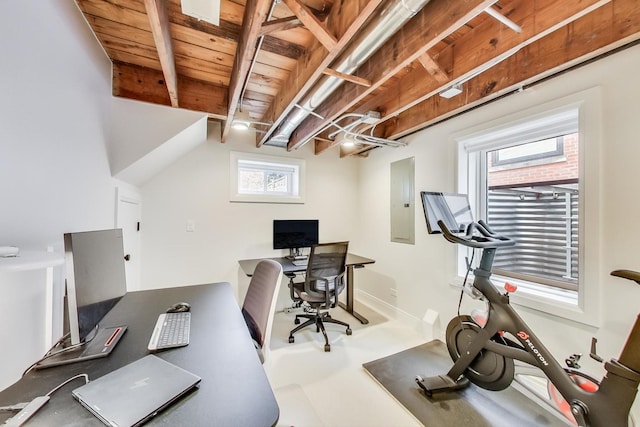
(327, 347)
(291, 339)
(349, 332)
(297, 321)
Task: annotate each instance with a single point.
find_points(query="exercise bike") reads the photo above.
(484, 349)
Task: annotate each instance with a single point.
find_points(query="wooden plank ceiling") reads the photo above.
(266, 57)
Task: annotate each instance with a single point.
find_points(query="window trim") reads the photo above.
(234, 196)
(584, 307)
(531, 159)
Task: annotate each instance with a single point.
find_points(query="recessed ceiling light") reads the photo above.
(241, 120)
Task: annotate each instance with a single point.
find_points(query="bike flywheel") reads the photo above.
(488, 370)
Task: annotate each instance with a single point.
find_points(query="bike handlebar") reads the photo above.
(486, 239)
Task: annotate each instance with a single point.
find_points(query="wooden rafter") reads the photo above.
(615, 24)
(433, 67)
(159, 21)
(145, 84)
(347, 77)
(163, 56)
(281, 24)
(472, 56)
(347, 21)
(433, 23)
(255, 13)
(312, 23)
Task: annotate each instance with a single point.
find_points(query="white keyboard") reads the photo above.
(171, 330)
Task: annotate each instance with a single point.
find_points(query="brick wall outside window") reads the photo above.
(562, 170)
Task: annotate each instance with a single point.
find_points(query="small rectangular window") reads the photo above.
(266, 179)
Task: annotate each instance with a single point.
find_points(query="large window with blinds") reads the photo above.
(534, 174)
(532, 195)
(524, 180)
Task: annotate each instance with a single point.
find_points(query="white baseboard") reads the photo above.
(429, 326)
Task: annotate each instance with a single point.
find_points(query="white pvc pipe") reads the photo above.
(506, 21)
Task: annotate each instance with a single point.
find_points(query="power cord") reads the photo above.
(50, 353)
(58, 387)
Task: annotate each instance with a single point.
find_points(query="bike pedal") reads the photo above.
(440, 383)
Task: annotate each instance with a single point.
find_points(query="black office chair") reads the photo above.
(259, 304)
(324, 281)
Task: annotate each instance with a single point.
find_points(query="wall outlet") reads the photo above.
(191, 225)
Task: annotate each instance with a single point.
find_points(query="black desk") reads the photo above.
(353, 261)
(234, 390)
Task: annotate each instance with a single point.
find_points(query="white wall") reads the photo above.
(55, 83)
(53, 113)
(197, 188)
(422, 273)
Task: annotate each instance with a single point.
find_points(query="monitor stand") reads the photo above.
(100, 346)
(296, 254)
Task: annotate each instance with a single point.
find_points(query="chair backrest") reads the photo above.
(259, 303)
(326, 267)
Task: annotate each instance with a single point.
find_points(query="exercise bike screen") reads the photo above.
(451, 208)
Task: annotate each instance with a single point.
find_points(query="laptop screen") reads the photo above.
(451, 208)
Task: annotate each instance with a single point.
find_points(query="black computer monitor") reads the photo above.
(451, 208)
(294, 234)
(95, 279)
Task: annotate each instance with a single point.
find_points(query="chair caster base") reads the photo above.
(327, 347)
(291, 339)
(349, 331)
(297, 321)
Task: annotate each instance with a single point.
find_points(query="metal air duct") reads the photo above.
(379, 30)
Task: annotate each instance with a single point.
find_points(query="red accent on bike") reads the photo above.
(587, 385)
(564, 407)
(509, 287)
(523, 335)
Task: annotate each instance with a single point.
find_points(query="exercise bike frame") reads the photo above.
(608, 406)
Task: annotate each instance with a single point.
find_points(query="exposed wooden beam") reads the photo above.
(281, 24)
(609, 27)
(347, 77)
(145, 84)
(434, 22)
(475, 52)
(346, 21)
(312, 23)
(159, 21)
(255, 13)
(433, 67)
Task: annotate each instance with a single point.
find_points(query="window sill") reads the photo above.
(252, 198)
(556, 302)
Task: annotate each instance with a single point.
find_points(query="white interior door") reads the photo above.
(128, 219)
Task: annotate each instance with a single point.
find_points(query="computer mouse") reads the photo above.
(179, 307)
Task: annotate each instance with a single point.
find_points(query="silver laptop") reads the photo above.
(131, 395)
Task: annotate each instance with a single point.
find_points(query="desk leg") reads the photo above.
(349, 305)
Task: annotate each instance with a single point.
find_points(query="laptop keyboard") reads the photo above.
(171, 330)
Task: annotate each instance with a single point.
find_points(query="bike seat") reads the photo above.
(627, 274)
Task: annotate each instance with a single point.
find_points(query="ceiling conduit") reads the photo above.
(379, 30)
